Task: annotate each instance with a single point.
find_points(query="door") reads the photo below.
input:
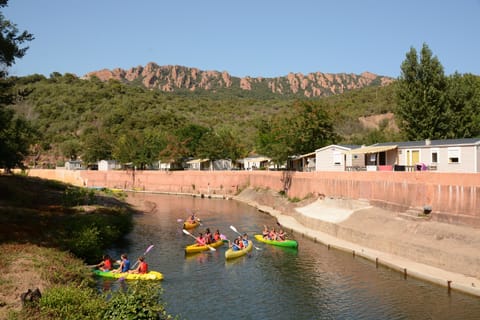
(413, 157)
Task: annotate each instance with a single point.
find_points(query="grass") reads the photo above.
(45, 238)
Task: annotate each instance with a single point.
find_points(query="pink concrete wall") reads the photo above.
(454, 197)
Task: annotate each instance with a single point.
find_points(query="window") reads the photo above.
(434, 156)
(453, 155)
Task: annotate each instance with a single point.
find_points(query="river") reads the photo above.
(312, 282)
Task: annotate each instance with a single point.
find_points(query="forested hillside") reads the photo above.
(96, 120)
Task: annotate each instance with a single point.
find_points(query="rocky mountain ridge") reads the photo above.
(172, 78)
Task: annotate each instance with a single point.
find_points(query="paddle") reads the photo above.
(146, 251)
(235, 230)
(191, 235)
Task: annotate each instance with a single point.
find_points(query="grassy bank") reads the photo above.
(48, 232)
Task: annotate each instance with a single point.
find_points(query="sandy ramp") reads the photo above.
(332, 210)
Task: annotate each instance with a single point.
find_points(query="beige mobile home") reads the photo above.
(449, 155)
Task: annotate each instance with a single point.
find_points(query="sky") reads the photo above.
(256, 38)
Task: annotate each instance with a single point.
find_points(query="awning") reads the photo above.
(257, 159)
(197, 161)
(371, 149)
(304, 156)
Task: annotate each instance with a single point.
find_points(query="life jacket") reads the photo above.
(107, 264)
(143, 267)
(216, 237)
(200, 241)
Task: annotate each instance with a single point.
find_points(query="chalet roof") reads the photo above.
(341, 146)
(432, 143)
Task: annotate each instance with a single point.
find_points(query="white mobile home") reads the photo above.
(106, 165)
(256, 162)
(73, 165)
(335, 158)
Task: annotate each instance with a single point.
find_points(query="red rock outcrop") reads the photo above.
(170, 78)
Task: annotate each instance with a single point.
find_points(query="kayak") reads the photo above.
(285, 243)
(193, 248)
(190, 225)
(230, 254)
(151, 275)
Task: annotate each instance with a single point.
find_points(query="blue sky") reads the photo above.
(266, 38)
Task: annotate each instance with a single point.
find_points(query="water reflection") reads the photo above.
(273, 282)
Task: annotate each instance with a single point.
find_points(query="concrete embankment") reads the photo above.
(417, 247)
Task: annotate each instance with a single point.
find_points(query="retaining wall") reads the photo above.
(453, 197)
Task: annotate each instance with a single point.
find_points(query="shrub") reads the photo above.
(141, 300)
(86, 242)
(71, 302)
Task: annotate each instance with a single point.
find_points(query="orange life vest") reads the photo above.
(143, 267)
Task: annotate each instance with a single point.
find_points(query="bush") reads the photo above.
(78, 196)
(141, 300)
(86, 235)
(86, 243)
(71, 302)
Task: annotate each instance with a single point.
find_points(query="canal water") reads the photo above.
(312, 282)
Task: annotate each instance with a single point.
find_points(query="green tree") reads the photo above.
(174, 150)
(97, 146)
(190, 136)
(11, 41)
(71, 148)
(306, 128)
(15, 138)
(139, 148)
(421, 97)
(463, 106)
(15, 133)
(311, 127)
(272, 139)
(220, 143)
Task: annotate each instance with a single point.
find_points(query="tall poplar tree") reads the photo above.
(421, 97)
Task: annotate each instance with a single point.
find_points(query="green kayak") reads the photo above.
(285, 243)
(151, 275)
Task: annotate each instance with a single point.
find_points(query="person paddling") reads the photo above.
(200, 239)
(106, 264)
(217, 236)
(265, 232)
(142, 266)
(124, 264)
(235, 246)
(245, 240)
(208, 236)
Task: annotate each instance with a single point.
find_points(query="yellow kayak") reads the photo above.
(190, 225)
(193, 248)
(230, 254)
(151, 275)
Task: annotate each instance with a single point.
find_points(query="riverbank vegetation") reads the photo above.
(48, 230)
